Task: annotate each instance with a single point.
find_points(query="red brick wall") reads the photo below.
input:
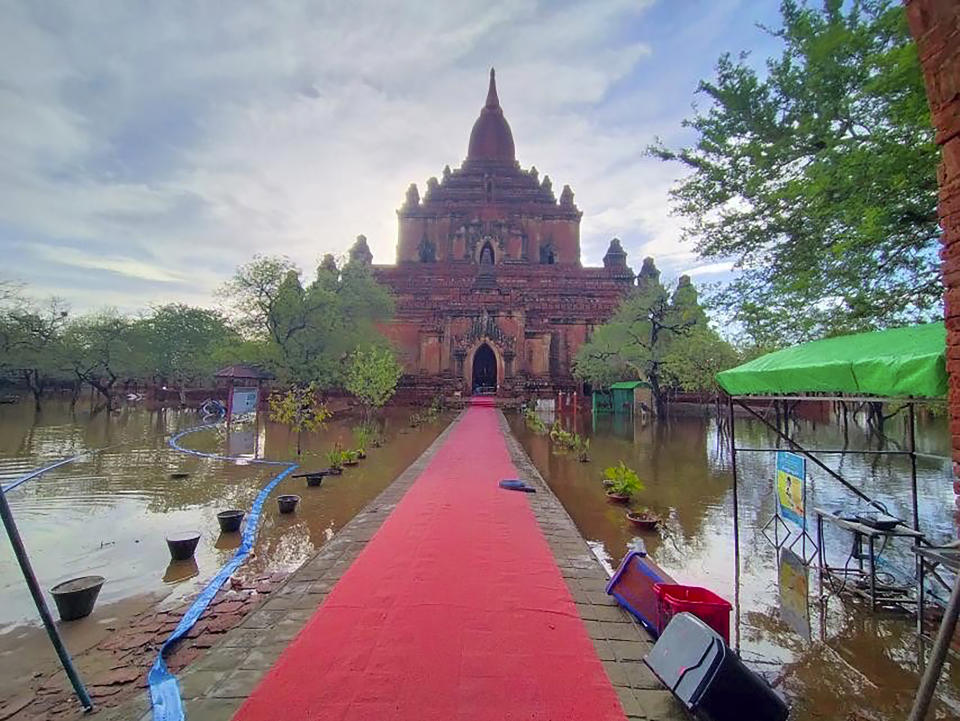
(936, 26)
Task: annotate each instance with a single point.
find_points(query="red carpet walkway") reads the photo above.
(455, 610)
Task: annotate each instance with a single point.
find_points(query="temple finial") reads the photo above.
(492, 100)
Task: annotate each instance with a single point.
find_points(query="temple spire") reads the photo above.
(492, 100)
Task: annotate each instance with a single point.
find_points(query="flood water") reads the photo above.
(832, 659)
(110, 513)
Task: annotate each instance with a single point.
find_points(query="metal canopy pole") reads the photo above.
(928, 684)
(21, 553)
(912, 438)
(736, 527)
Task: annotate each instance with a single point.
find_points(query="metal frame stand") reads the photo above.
(21, 553)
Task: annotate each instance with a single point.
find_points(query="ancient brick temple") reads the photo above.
(490, 292)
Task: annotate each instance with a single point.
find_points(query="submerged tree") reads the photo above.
(183, 344)
(634, 342)
(299, 408)
(372, 377)
(33, 343)
(101, 349)
(817, 177)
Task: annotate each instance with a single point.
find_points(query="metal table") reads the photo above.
(860, 531)
(928, 558)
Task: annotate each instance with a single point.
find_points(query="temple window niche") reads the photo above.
(427, 250)
(547, 256)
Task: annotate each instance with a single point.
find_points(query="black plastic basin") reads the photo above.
(75, 598)
(287, 503)
(182, 545)
(230, 520)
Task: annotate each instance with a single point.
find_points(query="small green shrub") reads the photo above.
(625, 481)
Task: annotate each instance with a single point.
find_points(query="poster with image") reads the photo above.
(791, 477)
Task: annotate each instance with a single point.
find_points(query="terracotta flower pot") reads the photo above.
(646, 521)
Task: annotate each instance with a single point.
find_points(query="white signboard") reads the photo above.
(244, 401)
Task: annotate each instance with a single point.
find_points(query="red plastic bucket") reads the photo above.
(701, 602)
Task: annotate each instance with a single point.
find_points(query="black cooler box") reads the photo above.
(692, 660)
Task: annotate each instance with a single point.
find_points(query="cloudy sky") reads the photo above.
(148, 148)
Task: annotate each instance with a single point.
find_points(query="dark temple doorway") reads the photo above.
(484, 370)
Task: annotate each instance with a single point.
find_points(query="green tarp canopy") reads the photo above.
(891, 363)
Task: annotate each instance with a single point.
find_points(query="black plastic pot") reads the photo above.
(182, 545)
(314, 479)
(75, 598)
(230, 520)
(287, 503)
(177, 475)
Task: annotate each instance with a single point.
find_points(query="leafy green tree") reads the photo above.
(300, 409)
(633, 343)
(372, 377)
(183, 344)
(33, 343)
(694, 359)
(817, 177)
(101, 349)
(308, 331)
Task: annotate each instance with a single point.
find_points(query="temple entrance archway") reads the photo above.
(486, 254)
(484, 370)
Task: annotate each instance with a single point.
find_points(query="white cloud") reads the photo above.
(123, 266)
(709, 269)
(174, 141)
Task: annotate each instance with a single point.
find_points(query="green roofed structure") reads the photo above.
(895, 363)
(903, 365)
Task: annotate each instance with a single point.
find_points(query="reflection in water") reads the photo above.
(181, 570)
(854, 664)
(228, 541)
(109, 514)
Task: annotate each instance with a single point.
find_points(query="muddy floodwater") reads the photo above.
(109, 514)
(832, 660)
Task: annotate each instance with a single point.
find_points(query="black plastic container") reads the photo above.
(287, 503)
(75, 598)
(230, 521)
(691, 660)
(182, 545)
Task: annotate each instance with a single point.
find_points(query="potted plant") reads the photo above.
(335, 460)
(644, 518)
(582, 449)
(624, 482)
(362, 437)
(349, 458)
